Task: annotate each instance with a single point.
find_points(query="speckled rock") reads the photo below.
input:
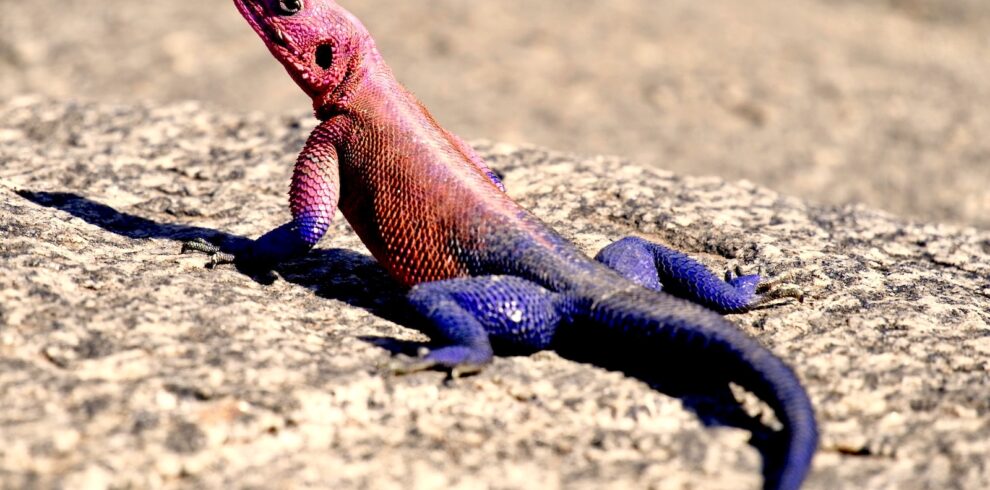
(125, 363)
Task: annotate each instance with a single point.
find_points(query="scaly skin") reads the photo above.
(483, 270)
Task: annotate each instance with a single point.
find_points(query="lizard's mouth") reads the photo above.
(254, 13)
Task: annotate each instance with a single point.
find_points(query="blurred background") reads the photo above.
(883, 102)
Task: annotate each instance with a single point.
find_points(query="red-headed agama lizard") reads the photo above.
(480, 268)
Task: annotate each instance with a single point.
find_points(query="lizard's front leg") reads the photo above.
(660, 268)
(313, 199)
(471, 314)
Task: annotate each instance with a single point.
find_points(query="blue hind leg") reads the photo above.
(660, 268)
(472, 314)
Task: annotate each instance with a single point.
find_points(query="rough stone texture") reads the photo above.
(875, 101)
(125, 363)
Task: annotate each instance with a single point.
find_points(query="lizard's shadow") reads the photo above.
(340, 274)
(358, 280)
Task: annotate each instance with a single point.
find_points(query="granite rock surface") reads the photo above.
(125, 363)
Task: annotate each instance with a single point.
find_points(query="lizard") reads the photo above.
(484, 272)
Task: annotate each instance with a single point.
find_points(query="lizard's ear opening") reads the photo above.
(324, 56)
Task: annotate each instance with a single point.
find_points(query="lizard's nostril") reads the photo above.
(324, 56)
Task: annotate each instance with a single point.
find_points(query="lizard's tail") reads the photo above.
(643, 326)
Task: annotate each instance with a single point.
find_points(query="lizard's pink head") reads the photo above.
(319, 43)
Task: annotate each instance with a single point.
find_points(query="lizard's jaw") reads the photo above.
(322, 46)
(273, 37)
(292, 50)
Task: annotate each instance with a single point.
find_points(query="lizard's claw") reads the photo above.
(768, 290)
(217, 256)
(781, 287)
(403, 364)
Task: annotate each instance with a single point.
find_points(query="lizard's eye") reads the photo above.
(324, 56)
(288, 7)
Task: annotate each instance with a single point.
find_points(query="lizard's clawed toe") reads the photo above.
(780, 287)
(201, 245)
(402, 364)
(768, 290)
(782, 290)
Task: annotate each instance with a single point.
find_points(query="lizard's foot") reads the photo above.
(466, 311)
(455, 359)
(216, 255)
(261, 255)
(766, 290)
(402, 364)
(657, 267)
